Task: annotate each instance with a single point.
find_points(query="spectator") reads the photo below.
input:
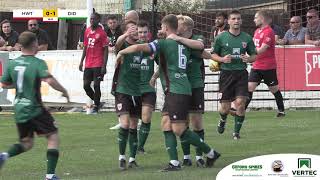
(278, 31)
(313, 26)
(296, 33)
(42, 36)
(10, 37)
(221, 24)
(113, 30)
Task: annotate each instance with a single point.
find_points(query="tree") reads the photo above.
(180, 6)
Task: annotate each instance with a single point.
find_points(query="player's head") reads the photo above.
(262, 18)
(143, 31)
(33, 25)
(131, 16)
(169, 23)
(312, 16)
(95, 19)
(28, 41)
(234, 19)
(221, 19)
(5, 26)
(132, 25)
(185, 23)
(112, 22)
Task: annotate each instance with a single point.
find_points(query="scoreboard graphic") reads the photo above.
(49, 15)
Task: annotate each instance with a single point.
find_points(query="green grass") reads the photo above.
(89, 150)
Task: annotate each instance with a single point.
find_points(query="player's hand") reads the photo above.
(245, 58)
(152, 82)
(161, 35)
(226, 59)
(9, 48)
(173, 37)
(81, 66)
(66, 95)
(103, 70)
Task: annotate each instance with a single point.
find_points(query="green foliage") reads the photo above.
(181, 6)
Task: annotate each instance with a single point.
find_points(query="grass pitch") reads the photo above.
(89, 150)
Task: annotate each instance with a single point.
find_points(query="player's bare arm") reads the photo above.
(154, 78)
(225, 59)
(131, 49)
(105, 60)
(263, 48)
(57, 86)
(248, 59)
(194, 44)
(84, 53)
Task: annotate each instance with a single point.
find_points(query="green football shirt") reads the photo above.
(147, 70)
(176, 57)
(129, 75)
(195, 68)
(227, 43)
(25, 73)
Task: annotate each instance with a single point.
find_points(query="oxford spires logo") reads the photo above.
(304, 168)
(304, 162)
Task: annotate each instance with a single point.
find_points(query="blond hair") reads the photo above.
(186, 20)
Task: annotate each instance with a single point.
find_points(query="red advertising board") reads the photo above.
(298, 68)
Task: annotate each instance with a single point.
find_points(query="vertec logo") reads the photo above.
(304, 168)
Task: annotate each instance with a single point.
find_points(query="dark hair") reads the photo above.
(111, 17)
(222, 14)
(27, 38)
(4, 21)
(97, 15)
(143, 23)
(313, 11)
(170, 20)
(234, 12)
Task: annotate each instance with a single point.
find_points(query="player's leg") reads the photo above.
(271, 80)
(178, 111)
(98, 77)
(169, 139)
(255, 78)
(239, 116)
(148, 105)
(87, 79)
(197, 126)
(123, 103)
(226, 83)
(25, 131)
(135, 114)
(241, 95)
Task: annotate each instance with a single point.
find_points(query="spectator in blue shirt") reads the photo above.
(296, 34)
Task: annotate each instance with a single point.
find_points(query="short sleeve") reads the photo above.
(43, 71)
(268, 38)
(217, 46)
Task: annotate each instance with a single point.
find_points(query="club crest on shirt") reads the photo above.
(244, 44)
(119, 106)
